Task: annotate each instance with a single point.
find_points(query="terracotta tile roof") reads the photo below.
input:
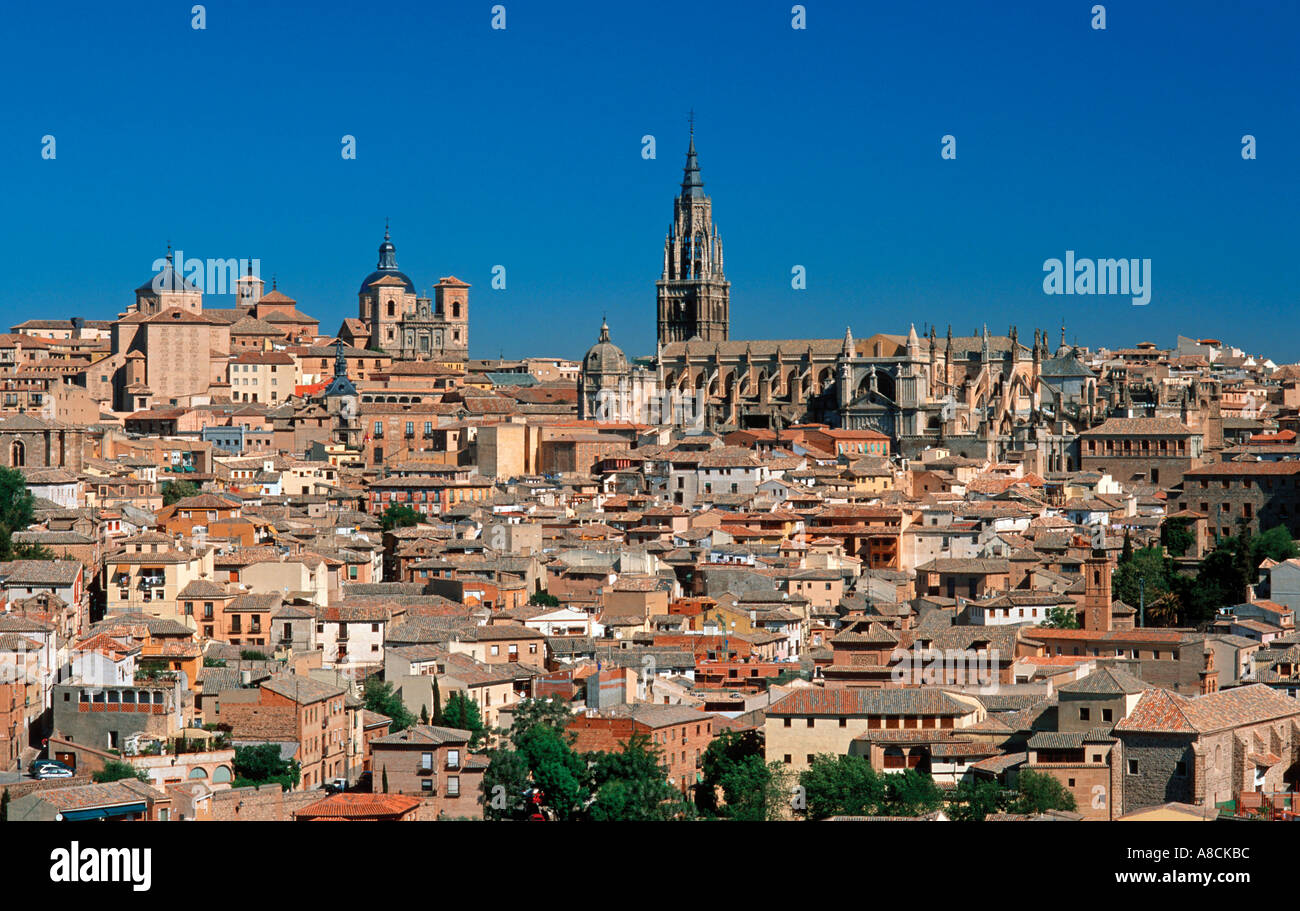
(1160, 711)
(358, 806)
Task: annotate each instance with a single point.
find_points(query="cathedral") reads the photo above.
(982, 396)
(395, 319)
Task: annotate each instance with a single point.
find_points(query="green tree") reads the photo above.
(424, 714)
(504, 781)
(751, 789)
(379, 697)
(1061, 617)
(461, 713)
(384, 780)
(556, 769)
(1275, 544)
(262, 764)
(178, 490)
(116, 770)
(544, 599)
(533, 713)
(631, 784)
(1039, 792)
(250, 654)
(842, 786)
(437, 702)
(720, 758)
(1220, 581)
(16, 508)
(1148, 570)
(398, 516)
(911, 793)
(973, 800)
(1176, 537)
(1127, 552)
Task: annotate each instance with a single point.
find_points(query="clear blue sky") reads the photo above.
(522, 148)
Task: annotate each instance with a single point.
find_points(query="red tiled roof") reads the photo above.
(359, 806)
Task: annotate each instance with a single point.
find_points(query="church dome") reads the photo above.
(387, 266)
(604, 357)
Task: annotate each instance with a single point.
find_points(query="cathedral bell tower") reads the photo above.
(693, 294)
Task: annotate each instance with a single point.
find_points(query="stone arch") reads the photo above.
(17, 454)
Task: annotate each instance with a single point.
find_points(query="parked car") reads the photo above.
(50, 768)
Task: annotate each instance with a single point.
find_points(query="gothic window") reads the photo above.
(17, 454)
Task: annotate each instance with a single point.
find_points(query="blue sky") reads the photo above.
(522, 148)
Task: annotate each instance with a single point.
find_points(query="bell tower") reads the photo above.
(694, 295)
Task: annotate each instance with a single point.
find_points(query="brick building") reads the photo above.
(433, 763)
(681, 734)
(1157, 451)
(1210, 749)
(1260, 494)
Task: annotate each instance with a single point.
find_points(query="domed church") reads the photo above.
(401, 323)
(609, 389)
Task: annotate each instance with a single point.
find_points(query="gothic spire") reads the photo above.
(692, 184)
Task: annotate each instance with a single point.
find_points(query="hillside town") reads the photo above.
(257, 567)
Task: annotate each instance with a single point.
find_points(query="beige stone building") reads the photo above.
(262, 376)
(149, 574)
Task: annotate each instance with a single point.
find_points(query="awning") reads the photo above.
(126, 809)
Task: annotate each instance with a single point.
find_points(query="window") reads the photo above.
(426, 785)
(426, 762)
(1085, 714)
(453, 785)
(1132, 766)
(453, 759)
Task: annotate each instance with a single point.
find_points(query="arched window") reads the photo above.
(17, 454)
(455, 310)
(392, 309)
